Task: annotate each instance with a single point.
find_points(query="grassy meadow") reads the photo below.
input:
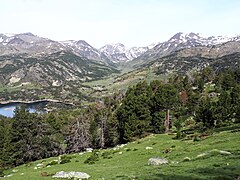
(198, 156)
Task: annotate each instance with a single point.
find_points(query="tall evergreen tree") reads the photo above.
(165, 98)
(30, 138)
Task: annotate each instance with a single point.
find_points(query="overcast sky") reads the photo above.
(131, 22)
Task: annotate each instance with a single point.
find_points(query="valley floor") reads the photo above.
(210, 157)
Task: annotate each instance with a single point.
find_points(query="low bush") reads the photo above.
(93, 158)
(1, 172)
(65, 159)
(54, 162)
(107, 155)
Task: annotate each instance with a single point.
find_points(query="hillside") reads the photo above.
(37, 68)
(51, 69)
(207, 157)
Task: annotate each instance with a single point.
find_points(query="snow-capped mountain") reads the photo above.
(119, 53)
(27, 58)
(192, 39)
(181, 41)
(82, 48)
(27, 43)
(30, 58)
(34, 45)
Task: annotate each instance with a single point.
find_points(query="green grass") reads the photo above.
(131, 163)
(15, 88)
(122, 81)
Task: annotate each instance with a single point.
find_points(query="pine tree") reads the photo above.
(206, 113)
(29, 138)
(165, 99)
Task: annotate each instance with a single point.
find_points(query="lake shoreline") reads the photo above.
(3, 103)
(40, 106)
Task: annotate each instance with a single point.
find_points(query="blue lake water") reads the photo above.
(8, 109)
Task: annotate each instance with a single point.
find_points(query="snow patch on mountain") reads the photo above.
(197, 39)
(118, 52)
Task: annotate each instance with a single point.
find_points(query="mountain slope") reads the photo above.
(184, 41)
(119, 53)
(82, 48)
(50, 69)
(222, 56)
(28, 43)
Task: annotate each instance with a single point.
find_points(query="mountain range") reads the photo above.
(26, 57)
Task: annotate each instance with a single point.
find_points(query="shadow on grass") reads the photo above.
(234, 127)
(214, 173)
(167, 177)
(219, 173)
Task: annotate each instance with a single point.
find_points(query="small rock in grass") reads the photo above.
(201, 155)
(120, 153)
(216, 152)
(157, 161)
(14, 170)
(9, 175)
(69, 175)
(225, 152)
(187, 159)
(39, 165)
(22, 174)
(89, 149)
(147, 148)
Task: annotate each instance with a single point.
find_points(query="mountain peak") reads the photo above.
(27, 34)
(82, 42)
(184, 36)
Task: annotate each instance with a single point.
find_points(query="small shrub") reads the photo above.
(190, 123)
(235, 130)
(209, 132)
(93, 158)
(65, 159)
(28, 164)
(1, 172)
(216, 165)
(154, 143)
(73, 156)
(116, 151)
(107, 155)
(196, 138)
(179, 135)
(168, 150)
(54, 162)
(45, 174)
